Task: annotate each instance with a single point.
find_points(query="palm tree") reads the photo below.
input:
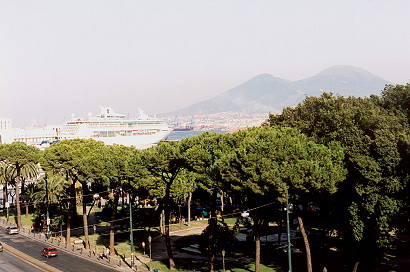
(28, 172)
(19, 155)
(49, 194)
(29, 195)
(8, 175)
(4, 180)
(55, 189)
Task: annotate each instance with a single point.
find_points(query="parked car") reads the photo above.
(12, 230)
(1, 247)
(49, 252)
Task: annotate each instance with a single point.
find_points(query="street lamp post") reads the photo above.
(7, 209)
(47, 215)
(131, 234)
(149, 243)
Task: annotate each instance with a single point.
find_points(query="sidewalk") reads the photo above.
(159, 251)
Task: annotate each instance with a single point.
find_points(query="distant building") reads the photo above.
(5, 123)
(31, 136)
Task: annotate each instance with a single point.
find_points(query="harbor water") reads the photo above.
(179, 135)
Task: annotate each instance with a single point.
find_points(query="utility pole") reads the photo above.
(47, 215)
(150, 252)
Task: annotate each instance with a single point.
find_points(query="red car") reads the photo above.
(49, 252)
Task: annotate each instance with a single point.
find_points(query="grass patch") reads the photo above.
(25, 221)
(121, 242)
(185, 265)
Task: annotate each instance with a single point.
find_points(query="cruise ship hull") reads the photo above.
(109, 127)
(139, 141)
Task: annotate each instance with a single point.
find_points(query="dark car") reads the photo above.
(49, 252)
(1, 247)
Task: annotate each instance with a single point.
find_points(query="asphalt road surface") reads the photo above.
(64, 261)
(10, 263)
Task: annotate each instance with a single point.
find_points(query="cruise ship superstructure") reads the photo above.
(108, 126)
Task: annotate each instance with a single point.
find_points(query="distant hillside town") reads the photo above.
(221, 121)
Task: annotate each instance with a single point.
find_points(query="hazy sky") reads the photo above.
(59, 57)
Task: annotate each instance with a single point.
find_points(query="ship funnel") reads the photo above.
(107, 111)
(142, 114)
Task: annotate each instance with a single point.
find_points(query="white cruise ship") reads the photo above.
(109, 127)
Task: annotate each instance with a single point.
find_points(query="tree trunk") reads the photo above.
(19, 225)
(85, 219)
(257, 246)
(5, 194)
(161, 223)
(355, 266)
(23, 191)
(91, 208)
(23, 185)
(306, 242)
(211, 241)
(112, 223)
(167, 238)
(122, 200)
(212, 232)
(72, 210)
(189, 208)
(68, 231)
(222, 204)
(73, 200)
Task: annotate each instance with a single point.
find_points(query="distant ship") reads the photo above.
(109, 127)
(180, 127)
(183, 128)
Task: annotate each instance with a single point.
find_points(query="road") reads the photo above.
(10, 263)
(64, 261)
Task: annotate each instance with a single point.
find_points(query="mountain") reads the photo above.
(266, 93)
(343, 80)
(255, 95)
